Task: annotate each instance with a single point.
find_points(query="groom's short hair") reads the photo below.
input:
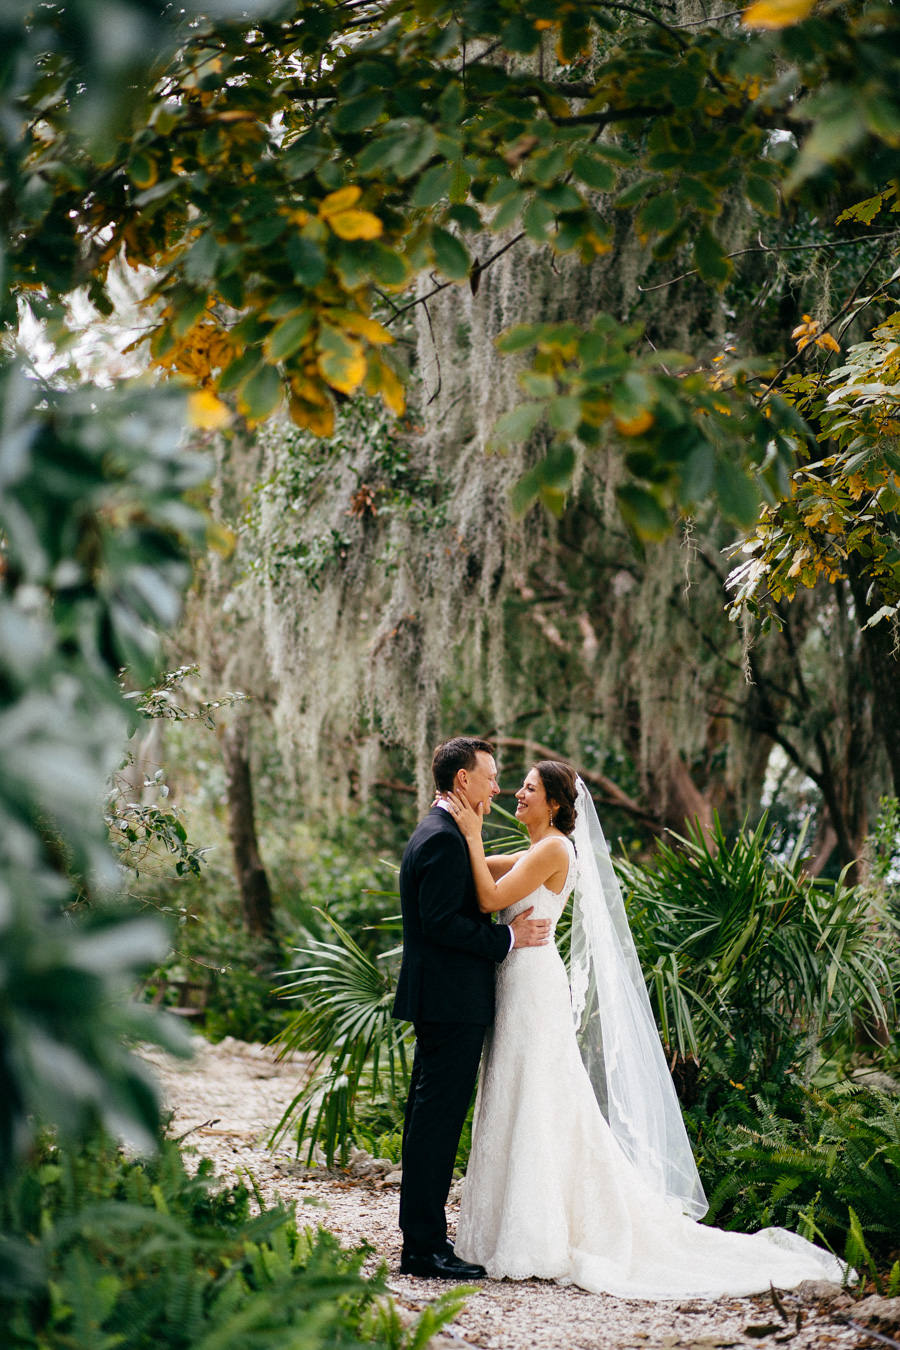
(453, 755)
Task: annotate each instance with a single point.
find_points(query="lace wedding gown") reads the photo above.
(548, 1191)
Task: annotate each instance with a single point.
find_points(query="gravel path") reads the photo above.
(230, 1095)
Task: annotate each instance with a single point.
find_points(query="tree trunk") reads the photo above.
(253, 884)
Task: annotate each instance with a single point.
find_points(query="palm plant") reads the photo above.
(748, 956)
(345, 1024)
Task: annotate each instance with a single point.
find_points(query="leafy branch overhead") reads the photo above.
(841, 515)
(287, 175)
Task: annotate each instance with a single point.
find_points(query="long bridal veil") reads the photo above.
(615, 1027)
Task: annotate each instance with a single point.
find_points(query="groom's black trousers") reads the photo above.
(445, 1067)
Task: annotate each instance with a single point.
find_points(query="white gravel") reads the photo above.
(229, 1096)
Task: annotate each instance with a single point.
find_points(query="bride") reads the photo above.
(580, 1169)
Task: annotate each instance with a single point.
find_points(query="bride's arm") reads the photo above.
(534, 867)
(500, 863)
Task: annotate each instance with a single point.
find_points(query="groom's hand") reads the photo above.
(530, 932)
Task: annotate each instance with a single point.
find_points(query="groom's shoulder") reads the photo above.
(436, 826)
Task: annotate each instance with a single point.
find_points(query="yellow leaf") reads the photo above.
(339, 201)
(355, 224)
(206, 411)
(776, 13)
(634, 426)
(595, 412)
(828, 342)
(597, 245)
(344, 373)
(363, 326)
(220, 538)
(315, 417)
(392, 391)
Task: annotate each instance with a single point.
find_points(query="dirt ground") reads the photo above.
(229, 1096)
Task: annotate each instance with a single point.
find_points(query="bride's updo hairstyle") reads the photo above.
(559, 784)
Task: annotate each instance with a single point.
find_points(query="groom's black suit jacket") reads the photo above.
(449, 947)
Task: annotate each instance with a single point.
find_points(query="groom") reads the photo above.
(446, 989)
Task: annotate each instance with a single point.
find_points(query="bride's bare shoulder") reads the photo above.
(552, 844)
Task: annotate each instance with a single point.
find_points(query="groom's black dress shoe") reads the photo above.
(440, 1265)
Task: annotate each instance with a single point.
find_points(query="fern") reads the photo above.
(834, 1172)
(111, 1254)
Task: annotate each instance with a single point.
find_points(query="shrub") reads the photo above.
(99, 1252)
(751, 962)
(827, 1165)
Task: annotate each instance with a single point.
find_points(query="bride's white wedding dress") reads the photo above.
(548, 1190)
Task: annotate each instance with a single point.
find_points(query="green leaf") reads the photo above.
(761, 193)
(239, 370)
(387, 266)
(287, 336)
(537, 219)
(507, 214)
(561, 197)
(658, 215)
(537, 383)
(564, 412)
(356, 114)
(683, 84)
(517, 424)
(642, 512)
(696, 474)
(548, 482)
(434, 184)
(261, 394)
(416, 151)
(709, 256)
(459, 187)
(519, 34)
(738, 497)
(452, 106)
(188, 311)
(518, 338)
(594, 173)
(465, 216)
(303, 155)
(200, 262)
(306, 259)
(637, 192)
(450, 255)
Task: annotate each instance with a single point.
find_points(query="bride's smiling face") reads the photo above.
(532, 807)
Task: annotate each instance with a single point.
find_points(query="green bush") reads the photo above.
(101, 1252)
(823, 1164)
(754, 967)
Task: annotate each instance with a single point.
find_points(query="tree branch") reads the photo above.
(774, 248)
(476, 271)
(832, 321)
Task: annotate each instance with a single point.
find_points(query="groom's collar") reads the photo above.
(443, 806)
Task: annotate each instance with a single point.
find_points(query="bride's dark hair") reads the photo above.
(559, 784)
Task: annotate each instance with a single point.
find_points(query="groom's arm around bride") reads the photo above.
(446, 989)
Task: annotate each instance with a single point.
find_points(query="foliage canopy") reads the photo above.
(291, 175)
